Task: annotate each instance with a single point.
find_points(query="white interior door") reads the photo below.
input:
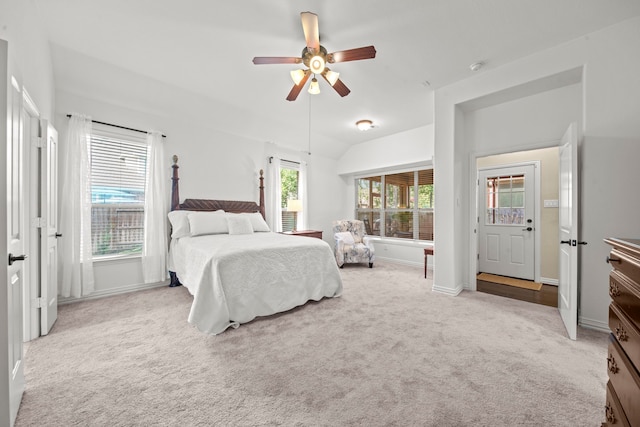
(507, 220)
(49, 230)
(12, 381)
(568, 211)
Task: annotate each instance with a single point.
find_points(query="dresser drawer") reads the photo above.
(613, 413)
(626, 333)
(626, 263)
(625, 381)
(626, 294)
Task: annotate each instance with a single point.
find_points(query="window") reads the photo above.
(291, 207)
(118, 172)
(407, 201)
(505, 200)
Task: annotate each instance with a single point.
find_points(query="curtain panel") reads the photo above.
(156, 208)
(77, 278)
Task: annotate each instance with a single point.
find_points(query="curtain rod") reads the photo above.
(118, 126)
(290, 161)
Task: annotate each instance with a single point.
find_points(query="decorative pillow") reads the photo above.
(239, 224)
(257, 222)
(179, 224)
(346, 237)
(208, 223)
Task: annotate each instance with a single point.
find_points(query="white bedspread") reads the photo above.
(235, 278)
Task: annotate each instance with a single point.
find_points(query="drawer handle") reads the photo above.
(621, 334)
(610, 260)
(614, 291)
(608, 410)
(612, 365)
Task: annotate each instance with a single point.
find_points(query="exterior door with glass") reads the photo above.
(506, 221)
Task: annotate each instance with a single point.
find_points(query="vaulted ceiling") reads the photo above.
(159, 51)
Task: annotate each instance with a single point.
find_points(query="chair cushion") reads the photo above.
(346, 237)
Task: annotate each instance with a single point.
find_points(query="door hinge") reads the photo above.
(38, 222)
(38, 142)
(38, 302)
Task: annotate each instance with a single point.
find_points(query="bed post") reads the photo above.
(175, 204)
(262, 193)
(175, 193)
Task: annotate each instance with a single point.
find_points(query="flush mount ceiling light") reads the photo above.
(364, 125)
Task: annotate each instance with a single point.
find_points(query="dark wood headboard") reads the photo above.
(233, 206)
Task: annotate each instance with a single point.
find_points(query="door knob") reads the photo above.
(58, 235)
(565, 242)
(13, 259)
(527, 229)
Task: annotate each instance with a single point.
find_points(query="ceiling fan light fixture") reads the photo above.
(297, 76)
(317, 64)
(314, 87)
(332, 77)
(364, 125)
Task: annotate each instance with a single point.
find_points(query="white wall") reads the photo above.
(399, 150)
(29, 52)
(402, 151)
(610, 58)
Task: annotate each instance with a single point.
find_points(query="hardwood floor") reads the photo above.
(548, 295)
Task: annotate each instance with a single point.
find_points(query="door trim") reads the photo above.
(536, 224)
(30, 314)
(473, 218)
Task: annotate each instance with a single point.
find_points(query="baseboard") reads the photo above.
(399, 261)
(593, 324)
(548, 281)
(448, 291)
(111, 292)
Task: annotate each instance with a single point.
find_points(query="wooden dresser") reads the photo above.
(623, 358)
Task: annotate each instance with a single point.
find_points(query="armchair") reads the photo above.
(352, 245)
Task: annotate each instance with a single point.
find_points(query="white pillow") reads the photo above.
(239, 224)
(346, 237)
(208, 223)
(179, 223)
(257, 222)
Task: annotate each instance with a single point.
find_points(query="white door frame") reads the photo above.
(536, 209)
(31, 129)
(474, 203)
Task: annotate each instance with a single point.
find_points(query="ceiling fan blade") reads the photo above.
(310, 28)
(259, 60)
(295, 90)
(340, 87)
(367, 52)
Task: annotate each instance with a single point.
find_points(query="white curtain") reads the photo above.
(75, 210)
(156, 207)
(303, 220)
(274, 195)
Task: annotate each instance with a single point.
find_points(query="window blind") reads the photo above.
(118, 174)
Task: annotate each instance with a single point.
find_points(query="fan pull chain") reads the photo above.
(309, 148)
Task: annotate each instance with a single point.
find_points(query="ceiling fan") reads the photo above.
(315, 58)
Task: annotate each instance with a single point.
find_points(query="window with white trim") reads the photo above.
(118, 173)
(291, 204)
(398, 205)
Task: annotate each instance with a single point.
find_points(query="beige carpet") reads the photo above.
(503, 280)
(389, 352)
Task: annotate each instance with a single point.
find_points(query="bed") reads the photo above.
(237, 269)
